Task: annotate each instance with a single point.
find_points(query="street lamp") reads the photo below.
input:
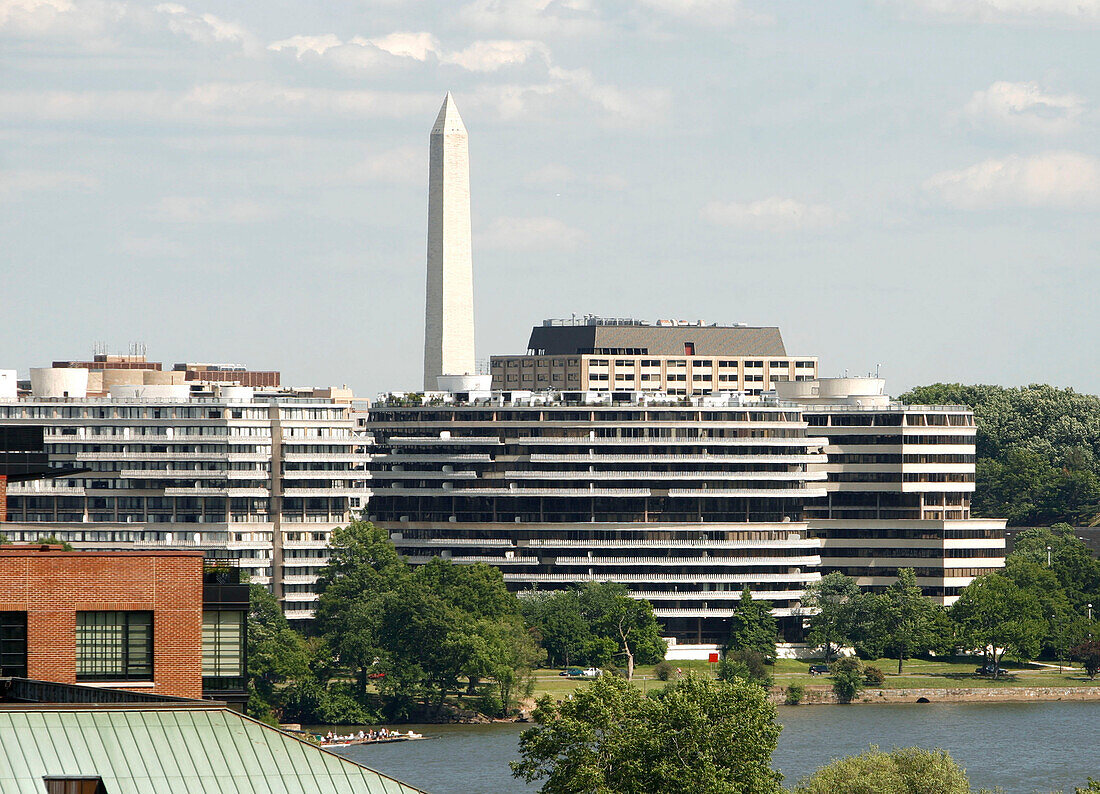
(1048, 556)
(1090, 612)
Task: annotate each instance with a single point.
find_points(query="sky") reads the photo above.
(911, 184)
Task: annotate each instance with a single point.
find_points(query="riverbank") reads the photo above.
(1020, 694)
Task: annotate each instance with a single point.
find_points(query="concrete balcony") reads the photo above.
(713, 562)
(566, 492)
(258, 492)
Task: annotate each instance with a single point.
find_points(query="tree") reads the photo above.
(363, 566)
(910, 618)
(752, 626)
(276, 653)
(594, 623)
(556, 617)
(1038, 450)
(1088, 653)
(828, 600)
(747, 665)
(847, 676)
(627, 621)
(700, 735)
(993, 613)
(908, 771)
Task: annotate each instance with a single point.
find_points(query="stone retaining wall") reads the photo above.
(991, 694)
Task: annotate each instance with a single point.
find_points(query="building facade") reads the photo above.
(628, 355)
(129, 620)
(259, 477)
(686, 502)
(900, 479)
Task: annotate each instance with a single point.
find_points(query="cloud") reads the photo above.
(215, 104)
(773, 214)
(417, 46)
(488, 56)
(529, 234)
(706, 12)
(111, 24)
(555, 175)
(573, 89)
(17, 183)
(1024, 107)
(1007, 10)
(306, 44)
(531, 18)
(1067, 180)
(404, 165)
(205, 28)
(200, 209)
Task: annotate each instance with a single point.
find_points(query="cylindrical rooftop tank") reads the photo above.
(156, 391)
(236, 394)
(59, 382)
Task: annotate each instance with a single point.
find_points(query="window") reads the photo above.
(74, 785)
(13, 644)
(223, 649)
(114, 646)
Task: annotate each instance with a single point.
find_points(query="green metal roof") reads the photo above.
(172, 751)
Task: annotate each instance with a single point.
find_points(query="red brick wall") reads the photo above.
(3, 497)
(51, 587)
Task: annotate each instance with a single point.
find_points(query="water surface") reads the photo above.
(1023, 747)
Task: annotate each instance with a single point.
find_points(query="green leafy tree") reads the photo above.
(752, 626)
(363, 567)
(747, 665)
(1070, 560)
(993, 613)
(700, 735)
(910, 626)
(557, 618)
(276, 653)
(848, 680)
(908, 771)
(1064, 626)
(829, 602)
(626, 621)
(1038, 450)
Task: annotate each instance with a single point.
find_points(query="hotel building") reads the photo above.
(671, 356)
(686, 501)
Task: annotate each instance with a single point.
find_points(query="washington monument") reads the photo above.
(449, 311)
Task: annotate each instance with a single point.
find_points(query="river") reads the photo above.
(1023, 747)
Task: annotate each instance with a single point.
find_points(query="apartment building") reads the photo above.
(684, 500)
(261, 477)
(899, 484)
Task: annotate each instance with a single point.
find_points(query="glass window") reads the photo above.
(13, 644)
(223, 644)
(114, 646)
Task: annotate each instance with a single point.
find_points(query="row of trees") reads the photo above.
(394, 640)
(1031, 609)
(1038, 451)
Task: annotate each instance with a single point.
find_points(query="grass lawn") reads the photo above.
(955, 672)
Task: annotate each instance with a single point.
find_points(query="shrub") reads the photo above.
(794, 694)
(847, 678)
(748, 665)
(872, 676)
(664, 671)
(489, 704)
(908, 771)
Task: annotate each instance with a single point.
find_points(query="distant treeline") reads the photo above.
(1038, 451)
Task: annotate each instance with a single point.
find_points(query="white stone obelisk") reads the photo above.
(449, 311)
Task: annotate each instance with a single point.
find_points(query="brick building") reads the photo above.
(130, 620)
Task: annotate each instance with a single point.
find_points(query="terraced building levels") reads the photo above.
(684, 501)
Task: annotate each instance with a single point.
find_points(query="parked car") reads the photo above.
(988, 669)
(819, 669)
(572, 672)
(592, 672)
(375, 676)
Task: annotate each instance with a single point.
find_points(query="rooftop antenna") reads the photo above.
(878, 368)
